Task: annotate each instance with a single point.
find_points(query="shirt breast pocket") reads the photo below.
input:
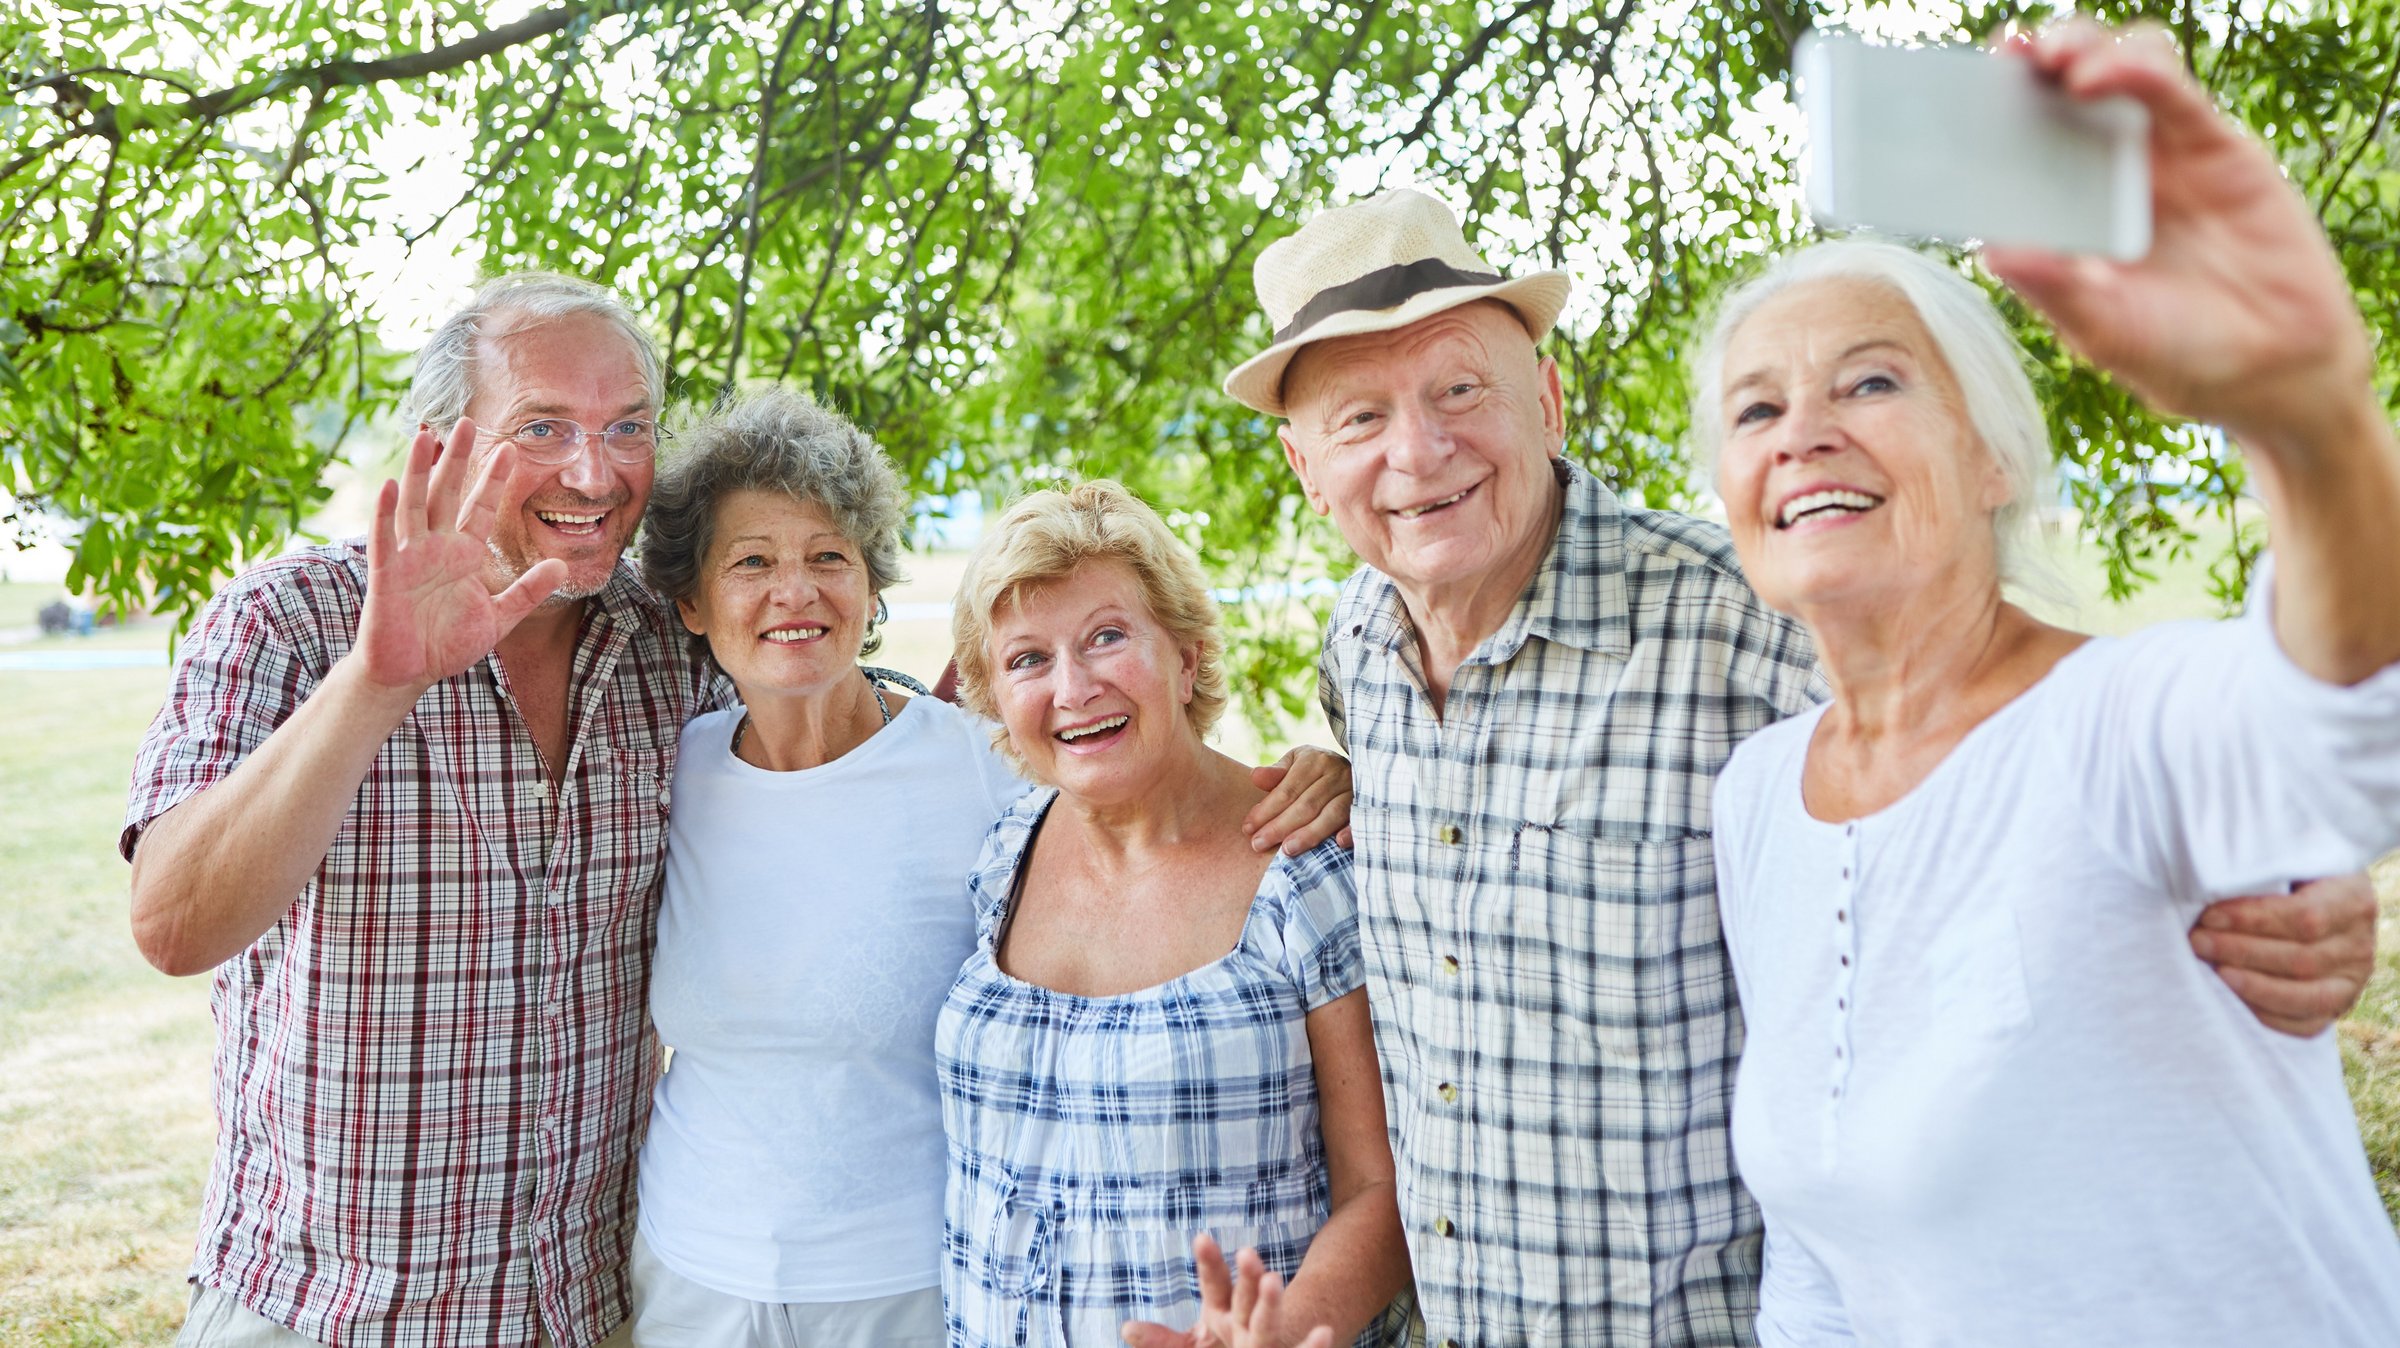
(632, 792)
(1621, 934)
(1977, 972)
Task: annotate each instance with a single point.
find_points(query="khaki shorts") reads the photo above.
(672, 1311)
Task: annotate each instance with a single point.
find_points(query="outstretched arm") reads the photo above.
(2240, 316)
(214, 872)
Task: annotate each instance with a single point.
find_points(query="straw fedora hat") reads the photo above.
(1372, 266)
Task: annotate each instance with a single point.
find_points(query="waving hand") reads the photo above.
(430, 609)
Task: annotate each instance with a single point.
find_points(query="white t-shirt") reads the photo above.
(811, 926)
(1988, 1095)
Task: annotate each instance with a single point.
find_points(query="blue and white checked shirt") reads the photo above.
(1538, 913)
(1092, 1137)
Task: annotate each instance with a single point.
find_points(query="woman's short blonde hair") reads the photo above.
(1044, 538)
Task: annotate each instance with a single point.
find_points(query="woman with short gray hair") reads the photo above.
(815, 904)
(791, 1182)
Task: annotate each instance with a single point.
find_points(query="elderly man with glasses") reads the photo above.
(408, 798)
(1537, 685)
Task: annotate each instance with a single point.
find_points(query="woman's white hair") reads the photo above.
(1968, 332)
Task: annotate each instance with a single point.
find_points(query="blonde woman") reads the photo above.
(1159, 1049)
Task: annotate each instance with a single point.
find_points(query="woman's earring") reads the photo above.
(873, 640)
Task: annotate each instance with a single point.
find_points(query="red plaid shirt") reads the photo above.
(432, 1074)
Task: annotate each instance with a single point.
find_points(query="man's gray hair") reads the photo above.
(1982, 355)
(772, 440)
(445, 377)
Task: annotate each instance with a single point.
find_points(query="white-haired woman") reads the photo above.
(815, 909)
(1987, 1095)
(1159, 1050)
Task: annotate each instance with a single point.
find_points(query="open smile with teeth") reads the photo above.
(571, 523)
(1074, 734)
(1411, 512)
(786, 636)
(1834, 502)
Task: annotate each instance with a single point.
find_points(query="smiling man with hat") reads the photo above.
(1537, 686)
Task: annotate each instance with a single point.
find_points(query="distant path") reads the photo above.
(68, 660)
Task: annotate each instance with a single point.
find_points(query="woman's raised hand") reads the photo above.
(430, 610)
(1241, 1311)
(2240, 314)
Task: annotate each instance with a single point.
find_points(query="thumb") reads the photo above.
(1143, 1334)
(537, 584)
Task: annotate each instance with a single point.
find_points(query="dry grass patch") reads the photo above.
(2371, 1046)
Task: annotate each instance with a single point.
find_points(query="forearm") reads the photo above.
(2333, 509)
(1355, 1266)
(212, 874)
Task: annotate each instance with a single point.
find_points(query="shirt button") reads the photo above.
(1841, 914)
(550, 1009)
(1837, 1052)
(1443, 1228)
(666, 797)
(1449, 1093)
(1845, 872)
(1450, 964)
(1845, 961)
(1449, 833)
(1841, 1003)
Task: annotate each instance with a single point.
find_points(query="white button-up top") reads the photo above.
(1989, 1096)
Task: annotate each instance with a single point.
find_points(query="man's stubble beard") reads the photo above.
(505, 572)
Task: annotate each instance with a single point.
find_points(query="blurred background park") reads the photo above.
(1012, 237)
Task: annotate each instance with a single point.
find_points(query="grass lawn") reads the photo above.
(105, 1125)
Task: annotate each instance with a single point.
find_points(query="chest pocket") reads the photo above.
(1616, 939)
(1977, 968)
(628, 792)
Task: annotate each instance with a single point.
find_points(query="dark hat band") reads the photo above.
(1384, 289)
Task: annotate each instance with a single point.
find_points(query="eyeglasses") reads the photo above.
(556, 440)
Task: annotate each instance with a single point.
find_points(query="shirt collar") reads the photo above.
(624, 596)
(1578, 596)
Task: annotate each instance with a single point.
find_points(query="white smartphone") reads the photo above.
(1966, 146)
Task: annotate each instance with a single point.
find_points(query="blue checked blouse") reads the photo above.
(1092, 1137)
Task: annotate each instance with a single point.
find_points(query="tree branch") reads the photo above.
(1467, 60)
(2373, 133)
(330, 75)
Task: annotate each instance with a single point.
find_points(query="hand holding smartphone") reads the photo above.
(1963, 145)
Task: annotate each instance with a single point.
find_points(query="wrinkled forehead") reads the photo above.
(1072, 592)
(1820, 320)
(517, 353)
(1486, 332)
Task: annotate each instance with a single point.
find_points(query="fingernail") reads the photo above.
(2210, 917)
(2204, 945)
